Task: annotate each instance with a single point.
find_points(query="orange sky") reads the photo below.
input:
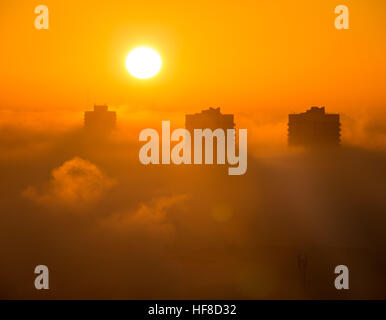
(109, 227)
(249, 57)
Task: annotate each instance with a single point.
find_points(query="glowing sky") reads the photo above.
(247, 56)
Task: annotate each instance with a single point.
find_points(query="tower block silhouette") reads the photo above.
(211, 119)
(314, 127)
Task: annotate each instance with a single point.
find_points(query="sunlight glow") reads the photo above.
(143, 62)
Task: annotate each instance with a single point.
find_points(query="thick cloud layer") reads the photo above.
(109, 227)
(75, 183)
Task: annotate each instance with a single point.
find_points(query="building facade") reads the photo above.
(209, 119)
(101, 120)
(314, 127)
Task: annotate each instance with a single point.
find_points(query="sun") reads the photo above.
(143, 62)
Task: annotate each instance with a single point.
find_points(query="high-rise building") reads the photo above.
(209, 119)
(100, 120)
(314, 127)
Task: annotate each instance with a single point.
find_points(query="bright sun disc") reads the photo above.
(143, 63)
